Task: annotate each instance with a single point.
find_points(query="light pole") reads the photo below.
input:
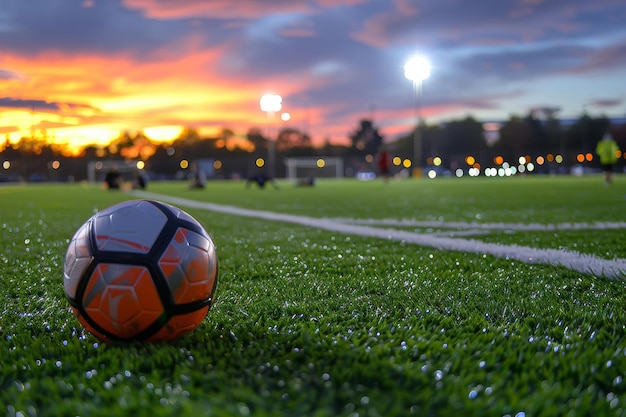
(417, 69)
(271, 103)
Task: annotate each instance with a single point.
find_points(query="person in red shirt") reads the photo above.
(383, 163)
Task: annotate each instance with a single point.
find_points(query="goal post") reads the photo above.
(97, 170)
(314, 167)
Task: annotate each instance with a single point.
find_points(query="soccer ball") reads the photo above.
(140, 270)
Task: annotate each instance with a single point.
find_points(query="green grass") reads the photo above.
(318, 323)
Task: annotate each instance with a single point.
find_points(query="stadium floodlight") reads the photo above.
(417, 69)
(271, 103)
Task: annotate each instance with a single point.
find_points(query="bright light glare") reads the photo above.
(432, 174)
(285, 117)
(260, 162)
(437, 161)
(417, 69)
(271, 102)
(163, 133)
(321, 163)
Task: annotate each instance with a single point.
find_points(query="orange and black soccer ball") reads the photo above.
(141, 270)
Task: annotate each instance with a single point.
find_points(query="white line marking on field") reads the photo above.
(486, 226)
(583, 263)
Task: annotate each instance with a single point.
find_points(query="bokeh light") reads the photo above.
(184, 164)
(260, 162)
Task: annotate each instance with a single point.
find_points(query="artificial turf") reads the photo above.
(318, 323)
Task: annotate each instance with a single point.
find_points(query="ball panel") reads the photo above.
(77, 260)
(180, 325)
(132, 226)
(189, 266)
(122, 299)
(88, 326)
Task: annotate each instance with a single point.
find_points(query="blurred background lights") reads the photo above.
(437, 161)
(540, 160)
(6, 165)
(406, 163)
(458, 172)
(432, 174)
(260, 162)
(321, 163)
(397, 160)
(217, 164)
(184, 164)
(470, 160)
(141, 165)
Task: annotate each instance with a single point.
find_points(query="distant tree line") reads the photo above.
(538, 133)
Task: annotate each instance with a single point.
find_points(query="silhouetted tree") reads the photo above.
(366, 139)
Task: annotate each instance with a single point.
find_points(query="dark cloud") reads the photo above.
(12, 103)
(63, 25)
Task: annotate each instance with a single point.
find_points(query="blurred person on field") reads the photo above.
(383, 163)
(198, 179)
(260, 180)
(113, 179)
(607, 150)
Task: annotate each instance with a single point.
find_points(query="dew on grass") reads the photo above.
(472, 394)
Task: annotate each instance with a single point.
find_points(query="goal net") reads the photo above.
(97, 170)
(320, 167)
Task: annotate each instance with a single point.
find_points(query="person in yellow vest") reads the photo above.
(607, 150)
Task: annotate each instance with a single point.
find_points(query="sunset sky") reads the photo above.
(86, 70)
